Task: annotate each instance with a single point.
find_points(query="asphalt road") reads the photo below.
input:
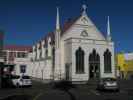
(41, 91)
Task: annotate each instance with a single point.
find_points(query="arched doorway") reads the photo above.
(94, 65)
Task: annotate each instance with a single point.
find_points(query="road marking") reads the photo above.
(95, 92)
(37, 96)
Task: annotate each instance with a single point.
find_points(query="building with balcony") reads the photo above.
(15, 58)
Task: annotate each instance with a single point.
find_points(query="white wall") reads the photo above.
(22, 61)
(88, 46)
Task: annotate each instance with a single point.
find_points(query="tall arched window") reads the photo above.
(94, 57)
(79, 60)
(53, 57)
(107, 61)
(46, 52)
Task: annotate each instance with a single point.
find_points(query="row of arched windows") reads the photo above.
(94, 58)
(42, 50)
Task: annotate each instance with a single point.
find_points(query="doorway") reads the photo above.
(67, 67)
(94, 65)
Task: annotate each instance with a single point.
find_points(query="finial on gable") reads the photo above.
(84, 7)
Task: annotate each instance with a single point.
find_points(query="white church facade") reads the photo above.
(76, 52)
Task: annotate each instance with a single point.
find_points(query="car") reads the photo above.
(108, 84)
(19, 81)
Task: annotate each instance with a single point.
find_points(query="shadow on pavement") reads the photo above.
(65, 86)
(130, 94)
(18, 97)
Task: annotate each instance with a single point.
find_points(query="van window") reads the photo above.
(25, 77)
(15, 77)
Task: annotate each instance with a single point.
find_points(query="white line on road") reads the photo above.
(37, 96)
(95, 92)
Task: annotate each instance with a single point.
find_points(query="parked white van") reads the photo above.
(19, 81)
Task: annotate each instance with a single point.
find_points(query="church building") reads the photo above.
(77, 52)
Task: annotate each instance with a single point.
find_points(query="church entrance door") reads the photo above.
(94, 65)
(67, 72)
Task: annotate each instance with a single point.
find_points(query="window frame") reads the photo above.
(107, 61)
(80, 61)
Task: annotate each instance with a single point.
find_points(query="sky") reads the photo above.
(26, 21)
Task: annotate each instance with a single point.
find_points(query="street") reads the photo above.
(41, 91)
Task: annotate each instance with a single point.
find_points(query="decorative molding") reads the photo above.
(84, 33)
(84, 20)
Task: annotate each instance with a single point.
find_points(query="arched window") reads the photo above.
(35, 50)
(46, 52)
(49, 47)
(94, 57)
(41, 53)
(53, 57)
(79, 60)
(107, 61)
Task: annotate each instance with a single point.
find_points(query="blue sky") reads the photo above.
(27, 21)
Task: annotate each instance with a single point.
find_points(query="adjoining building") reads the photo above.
(16, 59)
(77, 52)
(124, 63)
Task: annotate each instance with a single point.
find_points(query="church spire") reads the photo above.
(108, 30)
(108, 27)
(84, 7)
(57, 20)
(57, 35)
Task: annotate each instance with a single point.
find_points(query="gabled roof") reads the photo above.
(65, 27)
(93, 31)
(68, 24)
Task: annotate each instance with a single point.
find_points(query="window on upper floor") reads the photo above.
(22, 68)
(22, 55)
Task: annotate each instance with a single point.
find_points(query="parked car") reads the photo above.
(18, 81)
(108, 84)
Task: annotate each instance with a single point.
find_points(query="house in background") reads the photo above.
(124, 64)
(16, 59)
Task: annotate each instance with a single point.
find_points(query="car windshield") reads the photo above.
(25, 77)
